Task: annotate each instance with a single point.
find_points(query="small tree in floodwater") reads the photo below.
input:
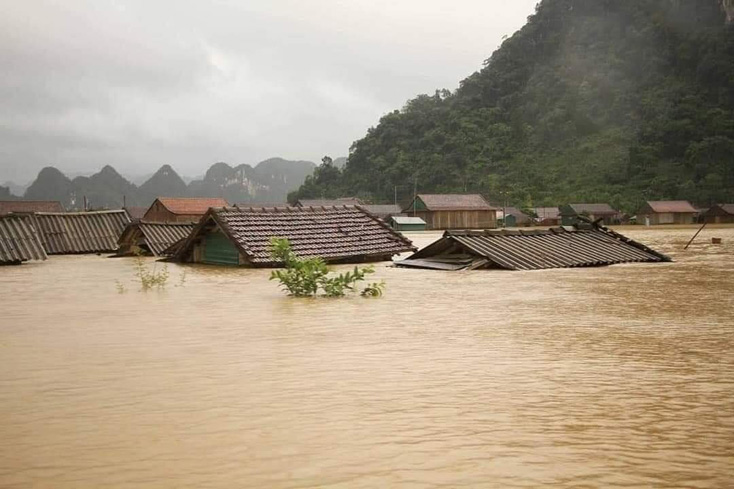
(304, 277)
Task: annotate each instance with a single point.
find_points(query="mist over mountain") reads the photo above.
(592, 100)
(268, 181)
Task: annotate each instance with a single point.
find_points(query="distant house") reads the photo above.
(136, 213)
(561, 247)
(174, 209)
(667, 212)
(570, 213)
(407, 223)
(28, 206)
(453, 211)
(152, 238)
(328, 202)
(720, 214)
(547, 216)
(239, 236)
(19, 241)
(514, 217)
(384, 212)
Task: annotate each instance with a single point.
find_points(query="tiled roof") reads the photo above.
(182, 206)
(80, 232)
(454, 202)
(328, 202)
(158, 236)
(383, 211)
(332, 233)
(25, 206)
(593, 209)
(672, 206)
(531, 250)
(19, 241)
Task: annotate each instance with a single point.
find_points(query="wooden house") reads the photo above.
(563, 247)
(720, 214)
(175, 209)
(547, 216)
(241, 236)
(29, 206)
(654, 213)
(453, 211)
(570, 213)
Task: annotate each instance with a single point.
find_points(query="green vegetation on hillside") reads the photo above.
(615, 101)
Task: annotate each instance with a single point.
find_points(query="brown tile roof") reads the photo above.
(332, 233)
(531, 250)
(19, 241)
(672, 206)
(185, 206)
(454, 202)
(136, 213)
(24, 206)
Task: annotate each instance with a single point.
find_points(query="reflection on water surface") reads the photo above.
(587, 377)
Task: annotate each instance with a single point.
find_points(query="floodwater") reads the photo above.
(617, 376)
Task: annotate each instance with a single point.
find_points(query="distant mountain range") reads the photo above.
(268, 181)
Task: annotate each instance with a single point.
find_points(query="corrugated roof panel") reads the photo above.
(19, 241)
(80, 232)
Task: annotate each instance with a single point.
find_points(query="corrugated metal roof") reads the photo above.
(157, 236)
(27, 206)
(534, 250)
(193, 206)
(672, 206)
(19, 241)
(80, 232)
(454, 202)
(332, 233)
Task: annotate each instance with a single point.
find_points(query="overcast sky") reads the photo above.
(140, 83)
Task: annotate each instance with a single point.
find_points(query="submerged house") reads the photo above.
(29, 206)
(514, 217)
(606, 213)
(152, 238)
(174, 209)
(19, 241)
(453, 211)
(79, 232)
(720, 214)
(241, 236)
(562, 247)
(667, 212)
(547, 216)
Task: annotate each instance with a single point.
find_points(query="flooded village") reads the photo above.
(596, 374)
(356, 245)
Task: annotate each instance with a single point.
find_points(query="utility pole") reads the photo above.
(396, 194)
(415, 193)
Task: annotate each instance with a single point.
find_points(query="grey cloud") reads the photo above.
(137, 84)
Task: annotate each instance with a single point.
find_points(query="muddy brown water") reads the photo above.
(615, 376)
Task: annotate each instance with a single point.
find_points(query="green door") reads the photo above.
(219, 250)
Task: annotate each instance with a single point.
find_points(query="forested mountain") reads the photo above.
(593, 100)
(268, 181)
